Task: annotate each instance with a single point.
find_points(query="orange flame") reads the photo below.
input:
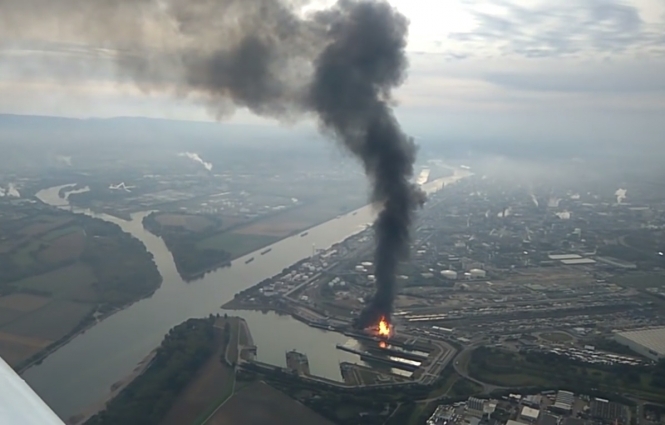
(384, 328)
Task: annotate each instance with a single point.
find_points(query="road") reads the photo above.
(461, 362)
(229, 361)
(432, 372)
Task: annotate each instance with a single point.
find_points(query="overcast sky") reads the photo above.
(558, 70)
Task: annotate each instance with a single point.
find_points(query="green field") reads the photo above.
(232, 347)
(51, 322)
(58, 267)
(55, 234)
(71, 282)
(641, 280)
(8, 315)
(212, 384)
(23, 256)
(514, 379)
(509, 369)
(556, 337)
(237, 245)
(260, 404)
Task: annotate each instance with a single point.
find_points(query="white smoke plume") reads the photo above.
(621, 195)
(535, 200)
(66, 160)
(195, 157)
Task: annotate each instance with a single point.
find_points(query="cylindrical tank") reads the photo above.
(449, 274)
(477, 274)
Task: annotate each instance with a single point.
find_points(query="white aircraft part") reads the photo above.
(19, 405)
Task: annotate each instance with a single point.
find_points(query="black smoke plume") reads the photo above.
(350, 92)
(269, 56)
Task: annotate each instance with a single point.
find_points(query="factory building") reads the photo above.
(480, 408)
(563, 402)
(571, 259)
(606, 410)
(559, 257)
(647, 342)
(578, 262)
(475, 404)
(533, 401)
(529, 415)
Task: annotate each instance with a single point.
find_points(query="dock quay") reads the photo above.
(366, 356)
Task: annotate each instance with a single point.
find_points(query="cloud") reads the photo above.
(591, 78)
(561, 28)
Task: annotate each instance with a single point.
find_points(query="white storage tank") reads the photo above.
(477, 274)
(449, 274)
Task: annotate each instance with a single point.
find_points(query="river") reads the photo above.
(80, 373)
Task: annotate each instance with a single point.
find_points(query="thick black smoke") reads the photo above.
(350, 92)
(265, 55)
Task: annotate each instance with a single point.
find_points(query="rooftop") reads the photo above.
(564, 256)
(547, 419)
(653, 339)
(578, 261)
(530, 413)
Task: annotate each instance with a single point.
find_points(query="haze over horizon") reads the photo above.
(522, 70)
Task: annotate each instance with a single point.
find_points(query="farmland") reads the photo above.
(235, 243)
(57, 270)
(556, 337)
(212, 384)
(75, 281)
(259, 403)
(204, 242)
(191, 223)
(64, 248)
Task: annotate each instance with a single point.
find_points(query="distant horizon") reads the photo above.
(580, 72)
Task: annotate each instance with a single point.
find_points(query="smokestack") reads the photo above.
(272, 58)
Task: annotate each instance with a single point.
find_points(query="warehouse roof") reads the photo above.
(530, 413)
(578, 261)
(564, 256)
(653, 339)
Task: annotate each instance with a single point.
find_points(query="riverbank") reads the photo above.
(60, 272)
(115, 389)
(88, 323)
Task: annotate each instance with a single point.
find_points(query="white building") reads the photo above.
(529, 414)
(449, 274)
(647, 342)
(477, 274)
(564, 257)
